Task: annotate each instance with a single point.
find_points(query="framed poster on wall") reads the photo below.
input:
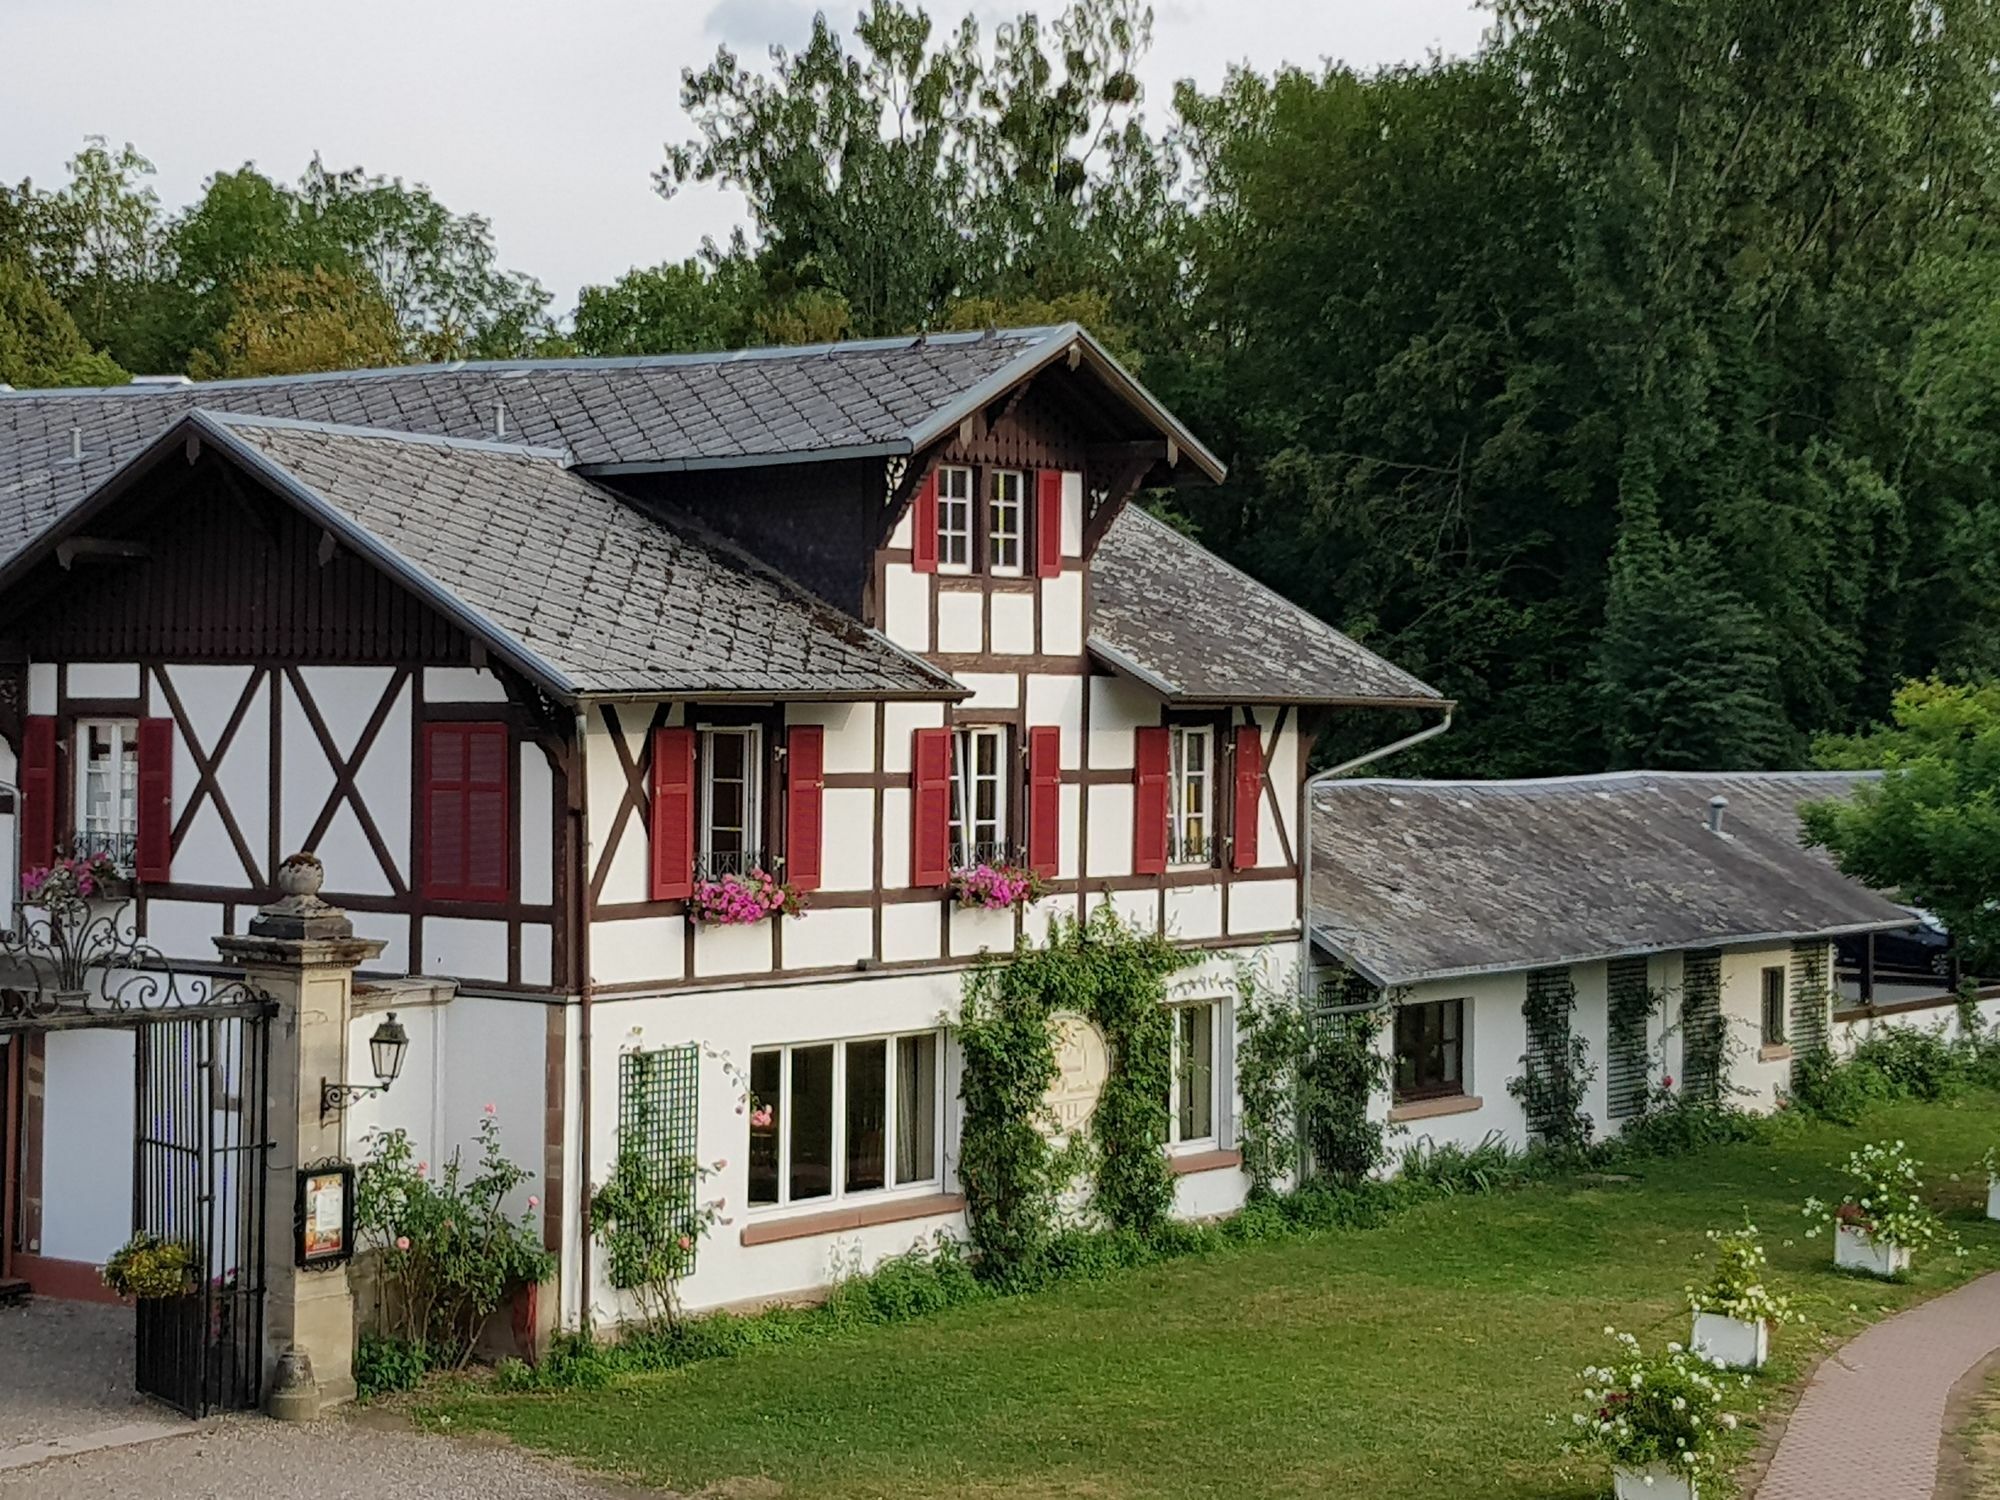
(323, 1215)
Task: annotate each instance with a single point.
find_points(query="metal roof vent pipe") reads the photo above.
(1717, 806)
(76, 445)
(499, 421)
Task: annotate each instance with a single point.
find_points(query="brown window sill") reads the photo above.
(1775, 1052)
(1431, 1109)
(859, 1216)
(1203, 1161)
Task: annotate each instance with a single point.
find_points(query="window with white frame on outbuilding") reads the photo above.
(831, 1120)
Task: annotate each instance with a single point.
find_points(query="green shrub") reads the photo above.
(1911, 1064)
(450, 1251)
(383, 1366)
(1833, 1090)
(1673, 1124)
(1448, 1170)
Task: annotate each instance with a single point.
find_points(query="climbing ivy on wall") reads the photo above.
(1307, 1076)
(1013, 1174)
(1556, 1069)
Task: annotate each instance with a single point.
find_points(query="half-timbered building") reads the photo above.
(530, 653)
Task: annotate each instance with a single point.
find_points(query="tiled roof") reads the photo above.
(696, 410)
(1416, 880)
(1179, 618)
(591, 594)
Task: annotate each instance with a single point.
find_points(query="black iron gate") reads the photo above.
(201, 1138)
(198, 1180)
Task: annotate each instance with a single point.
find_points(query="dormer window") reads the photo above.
(954, 528)
(1006, 509)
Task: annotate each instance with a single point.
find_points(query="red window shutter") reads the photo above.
(487, 813)
(805, 803)
(154, 857)
(930, 808)
(924, 526)
(1249, 797)
(37, 811)
(1044, 800)
(1048, 523)
(673, 814)
(467, 812)
(1149, 801)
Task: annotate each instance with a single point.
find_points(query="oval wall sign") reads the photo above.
(1083, 1060)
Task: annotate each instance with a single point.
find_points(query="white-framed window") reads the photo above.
(833, 1120)
(954, 495)
(979, 795)
(732, 800)
(1191, 830)
(1005, 510)
(107, 789)
(1192, 1110)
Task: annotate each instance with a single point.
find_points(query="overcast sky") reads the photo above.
(547, 116)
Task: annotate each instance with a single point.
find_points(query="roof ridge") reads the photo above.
(1027, 334)
(392, 434)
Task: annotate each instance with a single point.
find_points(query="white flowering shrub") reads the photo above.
(1737, 1287)
(1655, 1409)
(1883, 1200)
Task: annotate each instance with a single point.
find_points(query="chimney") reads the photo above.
(1717, 806)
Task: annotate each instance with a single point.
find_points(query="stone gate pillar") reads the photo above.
(303, 953)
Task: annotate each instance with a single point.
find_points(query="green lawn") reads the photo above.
(1418, 1360)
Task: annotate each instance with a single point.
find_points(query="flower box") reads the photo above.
(1734, 1342)
(1857, 1250)
(1654, 1482)
(738, 900)
(996, 887)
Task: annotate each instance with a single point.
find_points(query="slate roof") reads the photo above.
(588, 594)
(1418, 880)
(1175, 616)
(878, 396)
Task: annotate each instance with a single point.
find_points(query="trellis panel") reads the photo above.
(1629, 1002)
(659, 1096)
(1702, 1024)
(1810, 1021)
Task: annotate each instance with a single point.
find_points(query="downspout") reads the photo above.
(1313, 784)
(14, 863)
(581, 871)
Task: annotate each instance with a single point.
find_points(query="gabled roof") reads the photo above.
(576, 588)
(881, 397)
(1416, 880)
(1173, 615)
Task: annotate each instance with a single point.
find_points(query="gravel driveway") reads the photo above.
(367, 1454)
(66, 1389)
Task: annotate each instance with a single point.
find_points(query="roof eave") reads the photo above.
(1123, 662)
(1396, 979)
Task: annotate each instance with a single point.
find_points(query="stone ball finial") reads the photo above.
(301, 874)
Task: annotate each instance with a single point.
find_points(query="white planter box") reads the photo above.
(1853, 1250)
(1739, 1345)
(1993, 1197)
(1654, 1482)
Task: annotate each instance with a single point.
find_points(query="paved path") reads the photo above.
(1869, 1424)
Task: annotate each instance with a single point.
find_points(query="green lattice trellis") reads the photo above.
(659, 1093)
(1555, 1070)
(1702, 1024)
(1630, 1003)
(1811, 1002)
